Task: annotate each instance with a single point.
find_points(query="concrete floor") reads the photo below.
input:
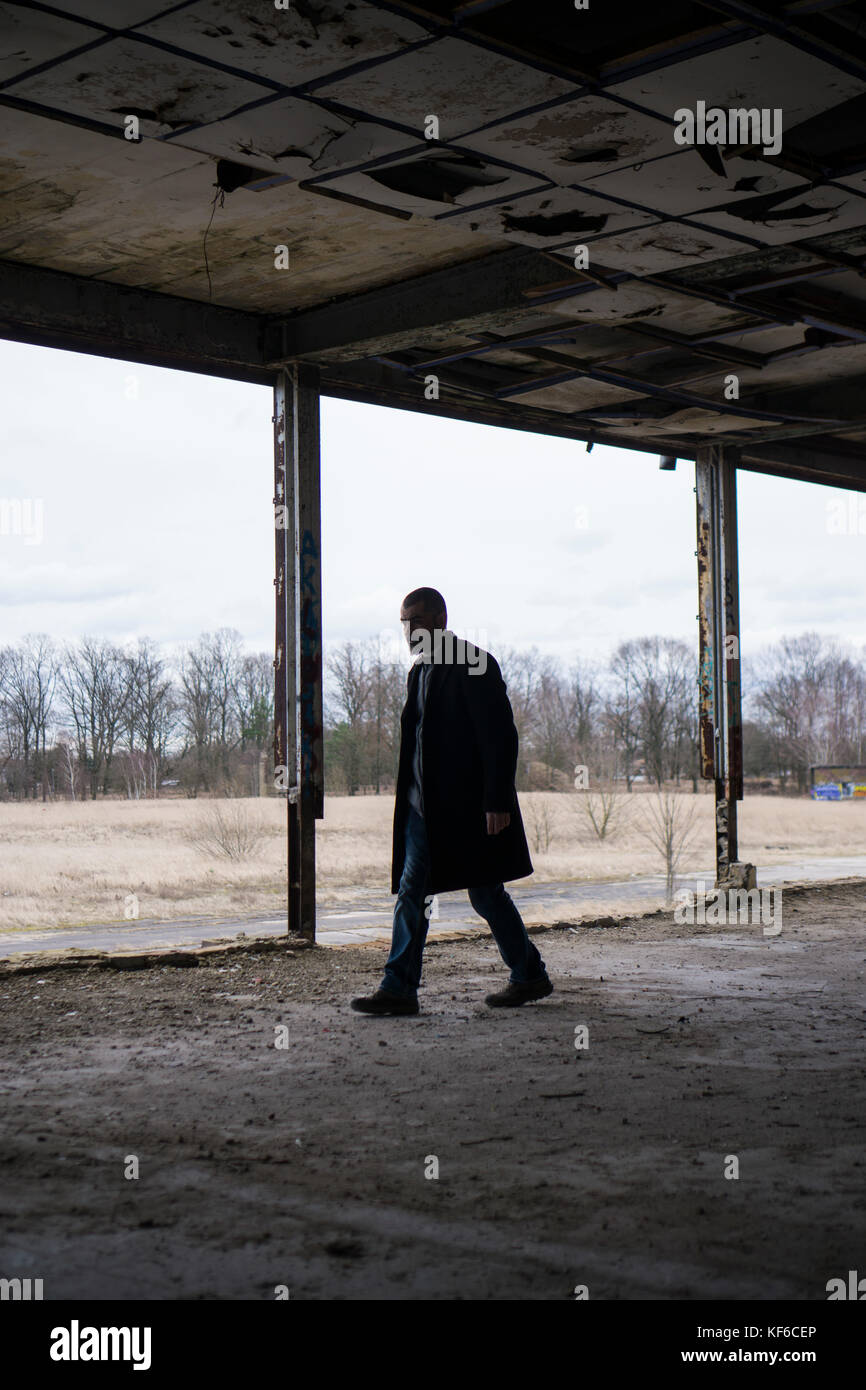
(305, 1166)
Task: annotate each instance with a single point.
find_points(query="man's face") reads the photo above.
(418, 626)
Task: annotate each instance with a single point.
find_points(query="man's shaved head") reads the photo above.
(429, 602)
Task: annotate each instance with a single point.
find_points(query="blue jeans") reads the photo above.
(403, 969)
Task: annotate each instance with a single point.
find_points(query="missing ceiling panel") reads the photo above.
(834, 140)
(436, 183)
(295, 137)
(557, 217)
(439, 178)
(684, 183)
(231, 176)
(807, 212)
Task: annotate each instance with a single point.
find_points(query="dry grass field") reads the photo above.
(69, 863)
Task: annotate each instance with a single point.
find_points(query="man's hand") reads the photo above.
(497, 820)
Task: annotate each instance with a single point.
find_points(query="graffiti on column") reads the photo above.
(707, 655)
(281, 692)
(309, 650)
(722, 831)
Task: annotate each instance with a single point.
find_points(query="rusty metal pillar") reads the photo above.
(298, 746)
(720, 697)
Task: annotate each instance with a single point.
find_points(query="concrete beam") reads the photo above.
(55, 309)
(387, 319)
(817, 462)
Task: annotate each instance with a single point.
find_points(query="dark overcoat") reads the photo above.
(469, 762)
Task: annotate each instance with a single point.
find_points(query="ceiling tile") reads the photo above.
(28, 39)
(289, 46)
(576, 139)
(463, 85)
(660, 247)
(762, 72)
(683, 182)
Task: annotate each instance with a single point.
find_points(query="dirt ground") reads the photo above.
(304, 1165)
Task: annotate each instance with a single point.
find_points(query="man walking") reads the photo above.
(457, 823)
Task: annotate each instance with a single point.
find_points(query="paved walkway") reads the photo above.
(556, 902)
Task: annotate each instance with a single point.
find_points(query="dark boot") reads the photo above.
(384, 1003)
(515, 995)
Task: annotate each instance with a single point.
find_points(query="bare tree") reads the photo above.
(255, 700)
(658, 665)
(348, 666)
(584, 703)
(539, 820)
(844, 685)
(670, 830)
(686, 750)
(69, 764)
(197, 710)
(152, 714)
(10, 732)
(29, 682)
(605, 809)
(227, 659)
(227, 831)
(682, 746)
(791, 695)
(133, 766)
(521, 672)
(622, 709)
(95, 682)
(552, 725)
(386, 696)
(395, 699)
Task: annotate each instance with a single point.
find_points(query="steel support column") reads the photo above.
(720, 713)
(298, 750)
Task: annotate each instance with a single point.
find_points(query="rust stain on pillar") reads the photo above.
(280, 536)
(706, 668)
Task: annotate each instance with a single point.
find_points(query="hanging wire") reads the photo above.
(218, 197)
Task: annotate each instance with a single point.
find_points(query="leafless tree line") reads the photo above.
(92, 718)
(634, 717)
(808, 706)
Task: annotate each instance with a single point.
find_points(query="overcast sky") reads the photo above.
(156, 491)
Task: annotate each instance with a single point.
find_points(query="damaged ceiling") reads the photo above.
(456, 256)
